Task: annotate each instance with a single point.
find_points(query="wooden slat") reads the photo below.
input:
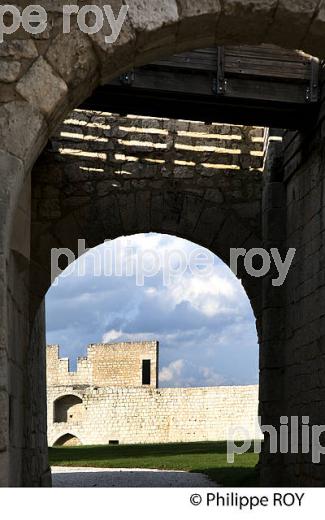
(261, 60)
(268, 52)
(205, 59)
(267, 68)
(259, 89)
(167, 80)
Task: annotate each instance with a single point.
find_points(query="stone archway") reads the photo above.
(66, 409)
(206, 189)
(50, 78)
(216, 207)
(67, 440)
(66, 413)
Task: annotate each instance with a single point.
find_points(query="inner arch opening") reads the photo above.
(156, 289)
(67, 440)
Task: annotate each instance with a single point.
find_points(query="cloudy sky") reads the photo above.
(158, 287)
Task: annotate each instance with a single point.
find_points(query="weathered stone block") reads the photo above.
(243, 22)
(296, 14)
(9, 71)
(198, 20)
(72, 56)
(4, 420)
(313, 41)
(18, 49)
(13, 119)
(42, 87)
(155, 24)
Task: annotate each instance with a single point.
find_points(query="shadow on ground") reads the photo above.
(80, 477)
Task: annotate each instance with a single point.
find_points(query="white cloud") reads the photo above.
(211, 378)
(219, 293)
(120, 336)
(205, 326)
(111, 335)
(172, 372)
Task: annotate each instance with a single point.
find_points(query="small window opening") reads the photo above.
(146, 372)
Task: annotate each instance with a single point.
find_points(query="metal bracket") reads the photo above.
(220, 83)
(312, 91)
(127, 79)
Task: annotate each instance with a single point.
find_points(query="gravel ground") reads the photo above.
(94, 477)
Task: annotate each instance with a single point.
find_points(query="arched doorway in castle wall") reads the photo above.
(72, 198)
(151, 339)
(167, 300)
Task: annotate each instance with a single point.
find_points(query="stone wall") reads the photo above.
(113, 365)
(26, 428)
(292, 347)
(303, 323)
(49, 76)
(97, 410)
(142, 415)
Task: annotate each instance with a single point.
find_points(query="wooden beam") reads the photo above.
(240, 85)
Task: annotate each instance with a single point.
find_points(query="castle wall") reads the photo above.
(144, 415)
(114, 365)
(104, 400)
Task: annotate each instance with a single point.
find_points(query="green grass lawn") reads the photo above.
(209, 458)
